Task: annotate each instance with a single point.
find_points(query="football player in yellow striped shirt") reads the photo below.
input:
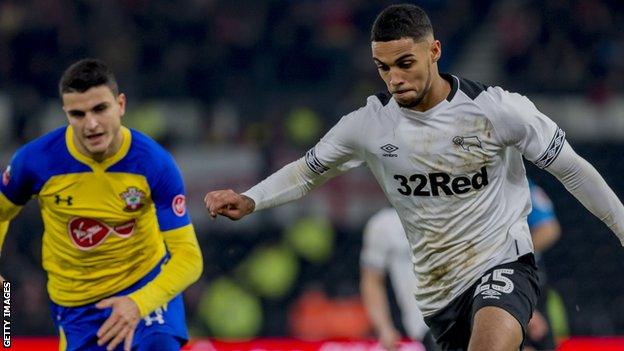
(118, 243)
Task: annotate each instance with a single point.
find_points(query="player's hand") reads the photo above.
(121, 324)
(389, 339)
(229, 204)
(538, 327)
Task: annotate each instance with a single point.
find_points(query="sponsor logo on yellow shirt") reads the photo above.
(87, 233)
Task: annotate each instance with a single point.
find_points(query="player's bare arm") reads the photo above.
(373, 289)
(545, 235)
(229, 204)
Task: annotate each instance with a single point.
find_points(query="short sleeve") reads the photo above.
(169, 196)
(376, 247)
(542, 207)
(518, 123)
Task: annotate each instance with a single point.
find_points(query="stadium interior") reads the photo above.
(236, 89)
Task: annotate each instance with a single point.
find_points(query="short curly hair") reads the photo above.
(401, 21)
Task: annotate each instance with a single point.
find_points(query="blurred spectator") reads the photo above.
(259, 53)
(562, 46)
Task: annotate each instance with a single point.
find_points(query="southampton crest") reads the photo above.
(134, 199)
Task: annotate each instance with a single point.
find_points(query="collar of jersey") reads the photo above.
(407, 112)
(121, 153)
(440, 106)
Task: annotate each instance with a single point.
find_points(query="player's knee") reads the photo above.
(495, 329)
(160, 342)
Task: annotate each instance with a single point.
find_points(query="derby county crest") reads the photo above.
(466, 142)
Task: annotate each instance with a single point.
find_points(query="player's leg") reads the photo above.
(450, 327)
(77, 327)
(503, 304)
(495, 329)
(429, 342)
(163, 329)
(540, 334)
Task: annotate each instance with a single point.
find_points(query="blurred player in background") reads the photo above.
(545, 231)
(118, 245)
(447, 153)
(385, 249)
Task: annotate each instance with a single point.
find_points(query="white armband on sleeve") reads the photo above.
(587, 185)
(289, 183)
(334, 154)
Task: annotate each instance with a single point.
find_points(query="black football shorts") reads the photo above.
(512, 286)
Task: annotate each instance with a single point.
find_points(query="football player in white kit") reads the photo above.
(447, 153)
(385, 249)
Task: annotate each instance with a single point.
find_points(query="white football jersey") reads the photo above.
(385, 248)
(454, 173)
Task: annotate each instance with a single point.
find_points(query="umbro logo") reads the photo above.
(490, 294)
(390, 149)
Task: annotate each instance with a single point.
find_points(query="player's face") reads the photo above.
(95, 116)
(406, 67)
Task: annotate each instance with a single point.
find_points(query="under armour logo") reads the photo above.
(156, 316)
(59, 199)
(467, 142)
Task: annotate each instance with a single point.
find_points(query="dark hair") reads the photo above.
(401, 21)
(85, 74)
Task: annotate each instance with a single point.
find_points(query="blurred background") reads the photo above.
(237, 89)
